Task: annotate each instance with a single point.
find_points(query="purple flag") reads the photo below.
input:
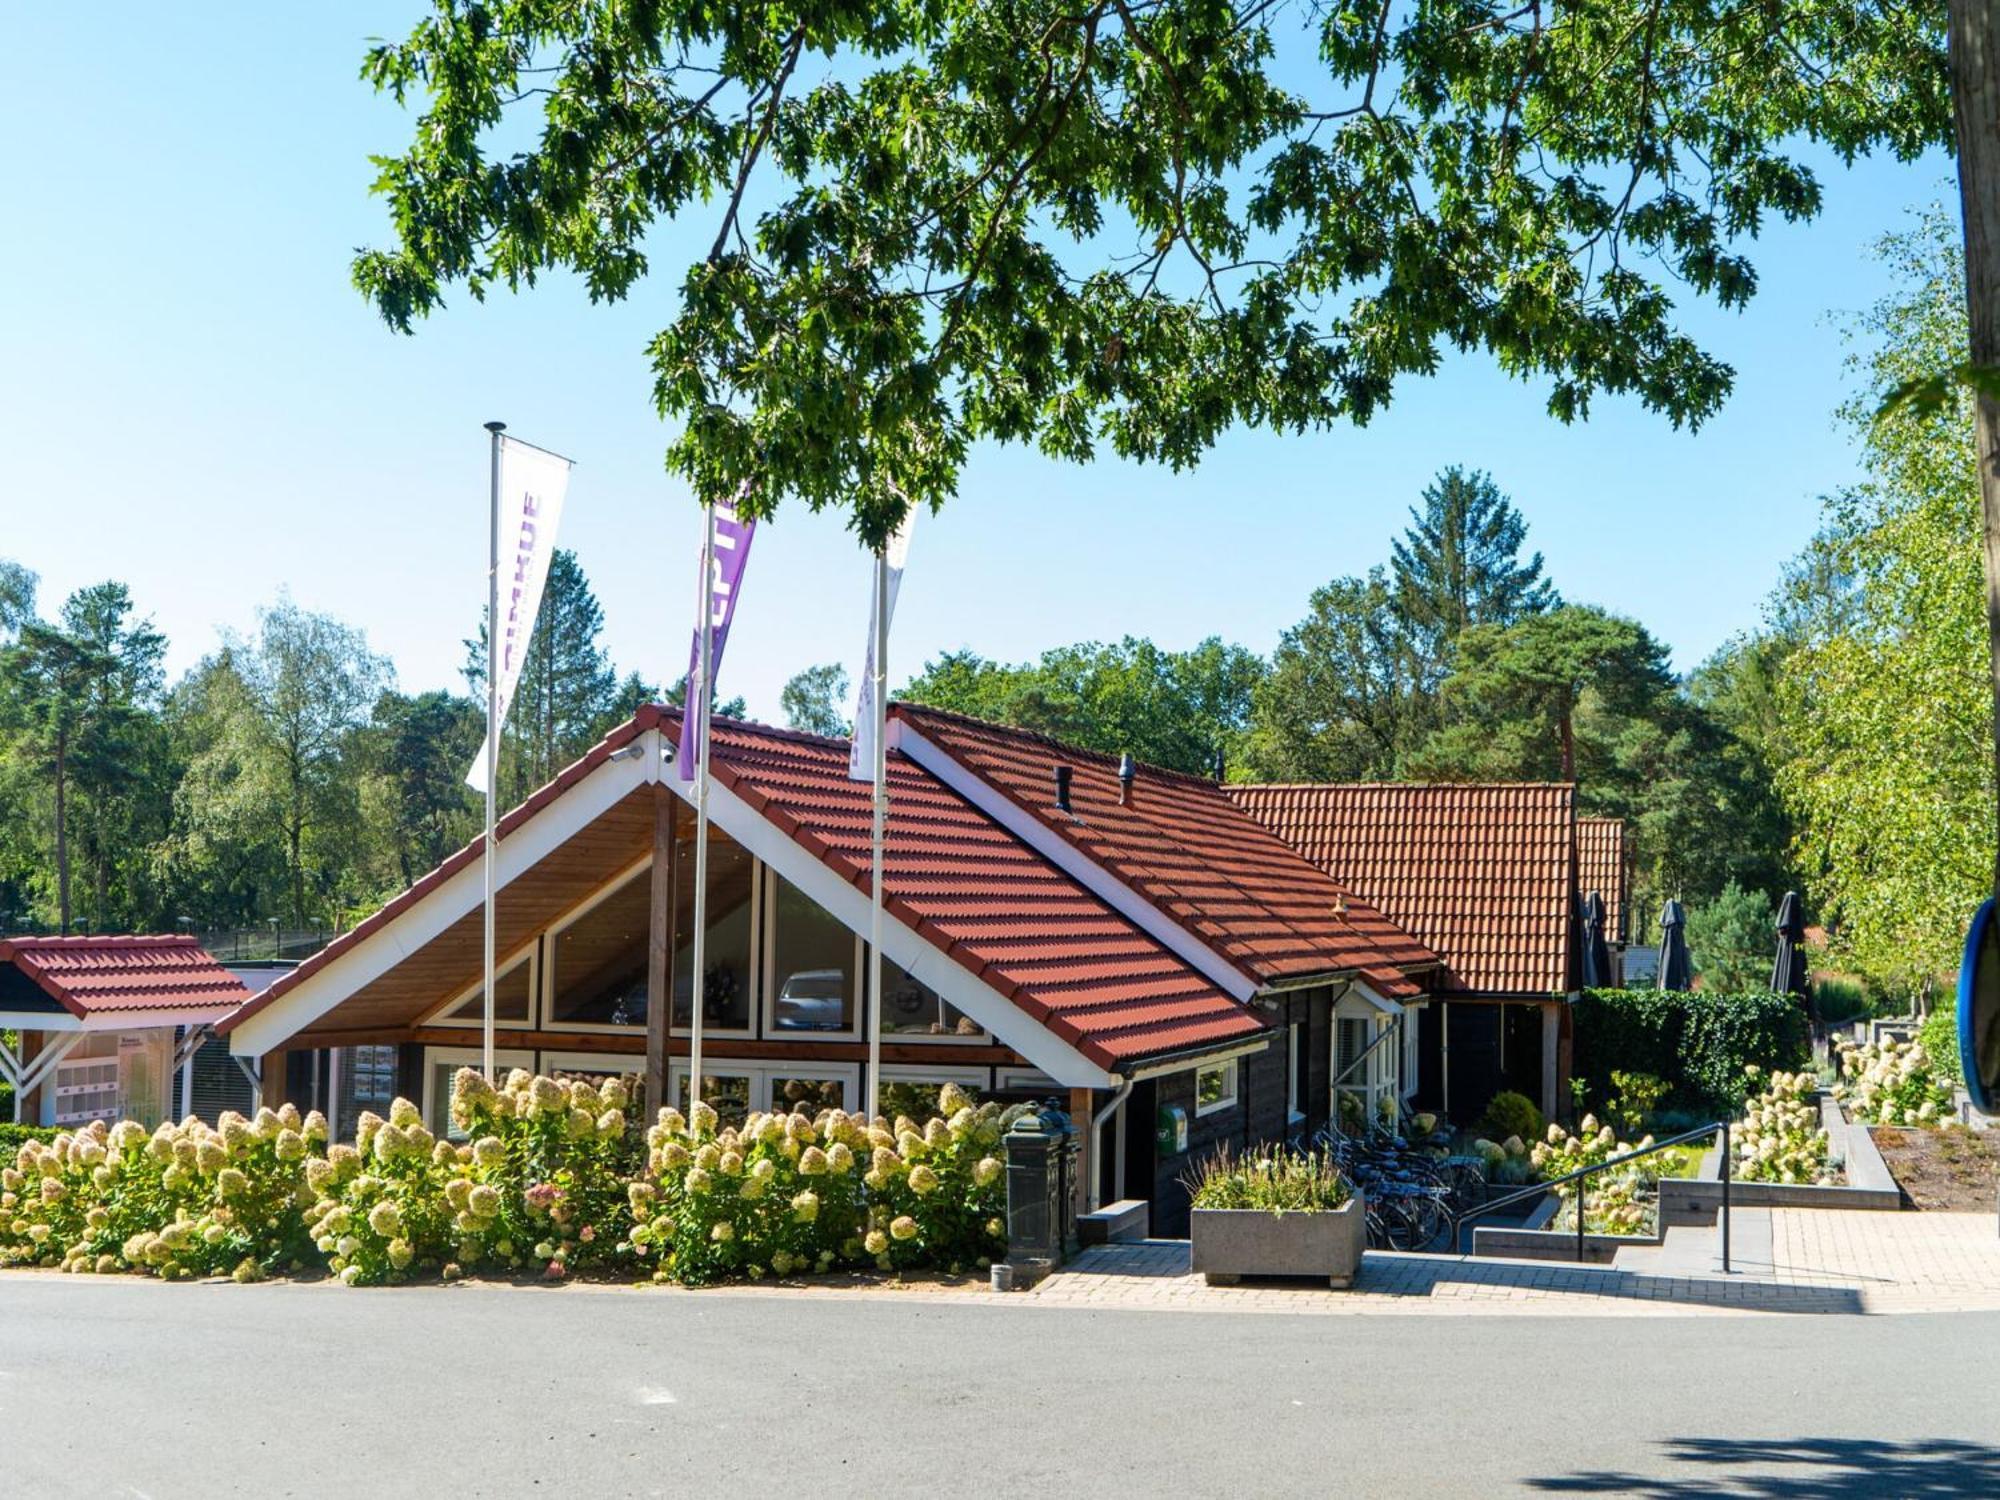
(732, 551)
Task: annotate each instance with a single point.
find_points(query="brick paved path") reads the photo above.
(1821, 1261)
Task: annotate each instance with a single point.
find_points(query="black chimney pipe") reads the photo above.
(1127, 769)
(1062, 787)
(1221, 766)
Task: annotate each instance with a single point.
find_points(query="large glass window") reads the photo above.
(808, 1094)
(812, 965)
(514, 998)
(597, 963)
(726, 995)
(911, 1008)
(728, 1094)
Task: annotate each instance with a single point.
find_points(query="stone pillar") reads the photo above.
(1038, 1147)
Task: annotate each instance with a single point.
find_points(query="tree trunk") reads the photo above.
(1566, 739)
(1975, 90)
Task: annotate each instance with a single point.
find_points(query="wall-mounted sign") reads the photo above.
(1171, 1130)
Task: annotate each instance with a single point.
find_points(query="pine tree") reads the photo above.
(1460, 565)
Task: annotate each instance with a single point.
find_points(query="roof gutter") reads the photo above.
(1180, 1062)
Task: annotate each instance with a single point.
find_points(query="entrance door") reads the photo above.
(1140, 1150)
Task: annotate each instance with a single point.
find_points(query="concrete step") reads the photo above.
(1696, 1250)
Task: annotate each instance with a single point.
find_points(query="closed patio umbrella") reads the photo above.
(1596, 952)
(1676, 970)
(1788, 974)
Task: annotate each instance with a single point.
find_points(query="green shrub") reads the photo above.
(1700, 1043)
(1939, 1038)
(1841, 1000)
(1635, 1098)
(1284, 1182)
(1509, 1113)
(13, 1136)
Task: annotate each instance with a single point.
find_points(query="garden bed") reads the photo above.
(1951, 1170)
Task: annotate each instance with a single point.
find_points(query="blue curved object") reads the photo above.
(1978, 946)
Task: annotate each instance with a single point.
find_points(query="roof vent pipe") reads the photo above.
(1062, 787)
(1126, 771)
(1221, 766)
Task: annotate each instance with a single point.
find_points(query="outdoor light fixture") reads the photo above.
(630, 752)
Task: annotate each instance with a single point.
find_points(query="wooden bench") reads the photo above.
(1117, 1223)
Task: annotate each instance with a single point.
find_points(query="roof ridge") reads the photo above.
(1407, 787)
(44, 941)
(1073, 751)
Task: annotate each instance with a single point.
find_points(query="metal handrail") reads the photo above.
(1536, 1190)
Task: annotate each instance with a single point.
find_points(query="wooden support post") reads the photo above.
(1551, 1030)
(660, 946)
(1086, 1147)
(28, 1103)
(271, 1079)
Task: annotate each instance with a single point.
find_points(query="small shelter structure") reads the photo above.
(108, 1026)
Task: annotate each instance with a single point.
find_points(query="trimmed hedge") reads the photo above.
(1700, 1043)
(12, 1136)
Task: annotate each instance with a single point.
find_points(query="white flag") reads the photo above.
(533, 482)
(861, 754)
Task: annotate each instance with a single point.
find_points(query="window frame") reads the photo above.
(754, 980)
(546, 1009)
(530, 953)
(765, 925)
(1232, 1066)
(762, 1073)
(471, 1057)
(980, 1038)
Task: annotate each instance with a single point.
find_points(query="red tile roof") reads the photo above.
(162, 980)
(987, 899)
(963, 882)
(1184, 845)
(1482, 873)
(1601, 867)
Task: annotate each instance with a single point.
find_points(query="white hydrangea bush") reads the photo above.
(1893, 1082)
(788, 1193)
(539, 1185)
(1779, 1138)
(183, 1200)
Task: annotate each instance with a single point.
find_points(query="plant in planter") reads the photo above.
(1893, 1083)
(1779, 1138)
(1289, 1214)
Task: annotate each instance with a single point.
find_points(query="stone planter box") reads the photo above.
(1230, 1243)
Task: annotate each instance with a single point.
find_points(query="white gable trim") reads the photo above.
(994, 1012)
(534, 840)
(1073, 862)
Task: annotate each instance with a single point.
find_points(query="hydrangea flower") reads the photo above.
(903, 1227)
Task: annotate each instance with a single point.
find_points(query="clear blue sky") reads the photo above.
(193, 400)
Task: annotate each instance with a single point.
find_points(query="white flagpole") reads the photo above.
(492, 737)
(707, 606)
(879, 712)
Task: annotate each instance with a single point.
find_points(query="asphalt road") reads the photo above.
(132, 1388)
